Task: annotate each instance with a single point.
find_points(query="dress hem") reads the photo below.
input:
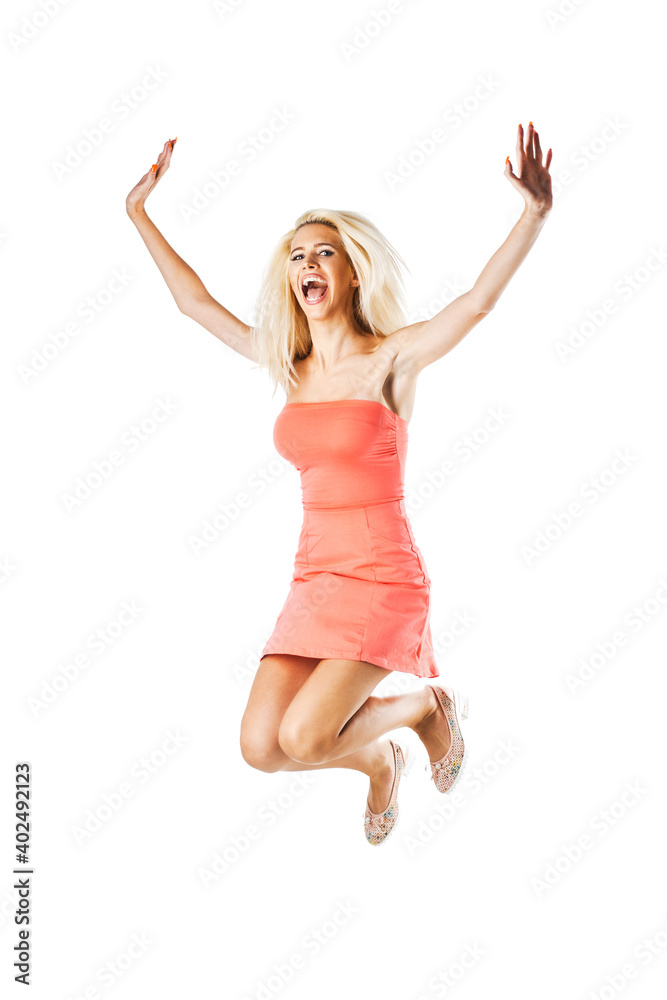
(336, 654)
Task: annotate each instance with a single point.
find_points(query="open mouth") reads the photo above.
(314, 289)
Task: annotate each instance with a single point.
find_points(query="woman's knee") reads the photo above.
(260, 753)
(302, 744)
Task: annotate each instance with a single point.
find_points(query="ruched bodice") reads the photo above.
(349, 452)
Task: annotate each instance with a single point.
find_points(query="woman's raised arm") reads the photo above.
(189, 292)
(414, 347)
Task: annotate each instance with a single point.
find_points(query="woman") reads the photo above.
(330, 329)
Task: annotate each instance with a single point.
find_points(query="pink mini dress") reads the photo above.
(360, 589)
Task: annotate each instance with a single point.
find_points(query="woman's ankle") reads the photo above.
(427, 707)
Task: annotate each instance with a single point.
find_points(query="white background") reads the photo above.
(492, 877)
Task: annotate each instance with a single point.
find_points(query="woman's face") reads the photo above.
(317, 249)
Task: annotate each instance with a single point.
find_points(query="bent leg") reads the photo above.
(279, 677)
(333, 714)
(278, 680)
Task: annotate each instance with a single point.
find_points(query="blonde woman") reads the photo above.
(330, 329)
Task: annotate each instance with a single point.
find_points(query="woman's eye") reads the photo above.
(321, 251)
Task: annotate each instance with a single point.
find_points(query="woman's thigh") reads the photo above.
(326, 701)
(278, 679)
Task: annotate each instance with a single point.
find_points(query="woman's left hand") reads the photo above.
(534, 180)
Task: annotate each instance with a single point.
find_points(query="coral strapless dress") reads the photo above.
(360, 589)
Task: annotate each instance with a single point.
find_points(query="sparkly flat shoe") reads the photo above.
(378, 826)
(446, 771)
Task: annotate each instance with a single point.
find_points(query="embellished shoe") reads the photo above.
(378, 826)
(446, 771)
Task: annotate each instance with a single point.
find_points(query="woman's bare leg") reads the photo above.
(333, 714)
(278, 680)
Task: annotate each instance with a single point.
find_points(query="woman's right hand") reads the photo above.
(137, 196)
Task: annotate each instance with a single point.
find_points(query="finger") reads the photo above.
(530, 151)
(167, 151)
(548, 160)
(164, 150)
(511, 176)
(161, 163)
(538, 148)
(519, 147)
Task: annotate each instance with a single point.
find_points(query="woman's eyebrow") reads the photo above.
(316, 245)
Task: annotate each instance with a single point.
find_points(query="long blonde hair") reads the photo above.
(280, 332)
